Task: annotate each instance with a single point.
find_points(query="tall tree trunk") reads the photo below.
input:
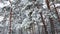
(52, 26)
(42, 30)
(38, 28)
(56, 12)
(30, 31)
(10, 30)
(33, 29)
(21, 31)
(45, 28)
(26, 31)
(47, 2)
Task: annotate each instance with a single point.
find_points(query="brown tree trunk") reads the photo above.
(47, 2)
(26, 31)
(21, 31)
(45, 28)
(56, 12)
(38, 28)
(33, 29)
(10, 30)
(52, 26)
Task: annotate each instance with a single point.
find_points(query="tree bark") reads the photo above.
(45, 28)
(10, 30)
(52, 26)
(47, 2)
(38, 28)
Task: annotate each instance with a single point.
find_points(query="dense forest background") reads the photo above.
(29, 16)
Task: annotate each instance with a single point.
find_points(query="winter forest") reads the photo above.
(29, 16)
